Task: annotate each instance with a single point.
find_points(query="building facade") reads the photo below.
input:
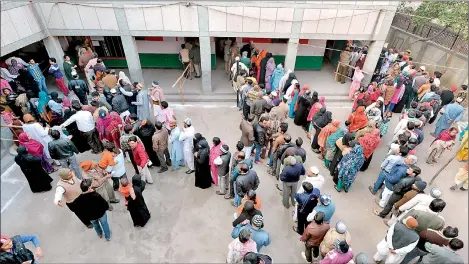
(149, 33)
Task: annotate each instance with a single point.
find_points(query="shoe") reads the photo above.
(258, 162)
(197, 76)
(303, 255)
(295, 229)
(377, 213)
(110, 208)
(115, 201)
(233, 204)
(452, 188)
(219, 193)
(162, 170)
(228, 196)
(335, 187)
(235, 215)
(108, 239)
(89, 226)
(278, 188)
(149, 182)
(462, 189)
(190, 171)
(100, 235)
(370, 188)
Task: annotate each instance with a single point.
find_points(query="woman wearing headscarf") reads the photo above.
(245, 60)
(445, 140)
(349, 166)
(293, 97)
(356, 82)
(451, 113)
(278, 74)
(405, 101)
(36, 149)
(341, 254)
(11, 120)
(398, 94)
(370, 142)
(124, 77)
(259, 66)
(108, 127)
(341, 144)
(331, 140)
(357, 119)
(283, 81)
(203, 179)
(215, 152)
(134, 200)
(302, 106)
(288, 83)
(145, 133)
(370, 126)
(363, 97)
(373, 92)
(320, 121)
(56, 111)
(269, 71)
(325, 133)
(38, 179)
(315, 108)
(37, 132)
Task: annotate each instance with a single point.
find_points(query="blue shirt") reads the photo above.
(235, 172)
(390, 161)
(328, 210)
(261, 237)
(28, 238)
(55, 71)
(397, 173)
(35, 72)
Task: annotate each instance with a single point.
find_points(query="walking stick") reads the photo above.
(447, 163)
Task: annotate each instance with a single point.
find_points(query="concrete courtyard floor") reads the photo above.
(193, 225)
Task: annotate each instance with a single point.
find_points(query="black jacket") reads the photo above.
(19, 253)
(282, 149)
(79, 87)
(259, 134)
(245, 183)
(62, 148)
(119, 104)
(405, 185)
(294, 151)
(90, 206)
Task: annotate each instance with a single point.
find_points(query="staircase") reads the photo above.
(333, 100)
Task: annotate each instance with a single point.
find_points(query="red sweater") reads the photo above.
(140, 155)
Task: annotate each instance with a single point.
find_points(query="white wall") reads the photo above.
(18, 23)
(168, 46)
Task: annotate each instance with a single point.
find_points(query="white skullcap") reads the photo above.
(314, 169)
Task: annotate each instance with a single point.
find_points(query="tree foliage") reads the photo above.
(452, 14)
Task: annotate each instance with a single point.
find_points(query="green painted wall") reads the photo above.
(153, 60)
(171, 61)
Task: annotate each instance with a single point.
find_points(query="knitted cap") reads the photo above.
(258, 221)
(340, 227)
(421, 185)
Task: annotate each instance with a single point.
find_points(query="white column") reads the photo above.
(129, 45)
(54, 50)
(205, 51)
(372, 58)
(293, 42)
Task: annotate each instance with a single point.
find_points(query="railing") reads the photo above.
(447, 38)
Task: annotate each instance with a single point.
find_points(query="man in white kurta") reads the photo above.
(400, 240)
(187, 136)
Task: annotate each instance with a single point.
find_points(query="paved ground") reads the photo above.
(193, 225)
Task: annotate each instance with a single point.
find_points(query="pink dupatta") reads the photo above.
(215, 153)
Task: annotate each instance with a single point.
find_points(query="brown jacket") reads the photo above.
(389, 91)
(314, 233)
(345, 57)
(327, 243)
(160, 140)
(110, 80)
(279, 112)
(247, 133)
(423, 90)
(280, 140)
(407, 196)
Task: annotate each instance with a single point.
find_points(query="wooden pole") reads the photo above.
(180, 92)
(336, 71)
(6, 139)
(447, 163)
(11, 126)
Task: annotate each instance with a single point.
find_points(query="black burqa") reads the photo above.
(333, 169)
(262, 70)
(195, 142)
(38, 179)
(77, 136)
(137, 207)
(301, 113)
(291, 77)
(405, 97)
(203, 179)
(145, 133)
(320, 120)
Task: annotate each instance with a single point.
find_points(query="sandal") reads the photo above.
(335, 187)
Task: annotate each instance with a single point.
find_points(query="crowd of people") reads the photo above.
(115, 123)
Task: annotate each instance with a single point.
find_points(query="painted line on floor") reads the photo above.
(12, 199)
(4, 178)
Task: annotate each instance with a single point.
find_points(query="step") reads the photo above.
(230, 97)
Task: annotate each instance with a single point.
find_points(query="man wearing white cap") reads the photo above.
(187, 136)
(156, 94)
(237, 67)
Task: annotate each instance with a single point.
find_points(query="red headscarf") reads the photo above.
(316, 108)
(33, 146)
(370, 142)
(327, 131)
(445, 135)
(358, 119)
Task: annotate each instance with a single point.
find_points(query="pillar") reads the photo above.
(372, 58)
(128, 44)
(294, 40)
(54, 50)
(205, 51)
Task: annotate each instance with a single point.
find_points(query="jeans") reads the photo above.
(271, 161)
(101, 225)
(237, 198)
(41, 84)
(71, 162)
(379, 181)
(258, 151)
(247, 151)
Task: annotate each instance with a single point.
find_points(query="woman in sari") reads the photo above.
(319, 122)
(315, 108)
(108, 127)
(203, 179)
(362, 96)
(295, 90)
(36, 149)
(38, 179)
(356, 82)
(134, 200)
(326, 132)
(215, 152)
(11, 120)
(331, 143)
(373, 92)
(370, 142)
(445, 140)
(451, 113)
(357, 119)
(349, 166)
